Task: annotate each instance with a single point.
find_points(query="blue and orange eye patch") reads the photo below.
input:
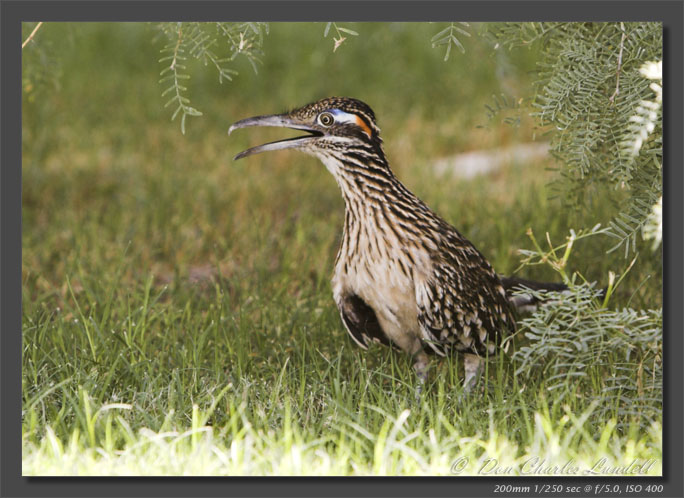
(347, 117)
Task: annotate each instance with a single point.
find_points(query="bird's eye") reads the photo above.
(326, 119)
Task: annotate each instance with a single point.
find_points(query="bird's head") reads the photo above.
(332, 124)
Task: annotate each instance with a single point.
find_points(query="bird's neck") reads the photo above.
(376, 202)
(365, 180)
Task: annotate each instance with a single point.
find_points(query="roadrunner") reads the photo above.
(403, 276)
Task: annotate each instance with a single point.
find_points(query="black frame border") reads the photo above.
(14, 12)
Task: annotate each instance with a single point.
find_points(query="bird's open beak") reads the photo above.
(279, 120)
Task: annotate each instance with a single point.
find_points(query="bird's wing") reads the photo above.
(361, 322)
(462, 304)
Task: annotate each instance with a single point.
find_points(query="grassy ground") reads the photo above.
(177, 311)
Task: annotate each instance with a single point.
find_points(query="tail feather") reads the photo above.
(527, 302)
(510, 283)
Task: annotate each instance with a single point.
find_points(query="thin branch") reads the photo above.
(175, 51)
(619, 65)
(30, 37)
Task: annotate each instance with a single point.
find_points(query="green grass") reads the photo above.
(177, 311)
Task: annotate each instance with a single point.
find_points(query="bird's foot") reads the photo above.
(473, 369)
(421, 368)
(419, 391)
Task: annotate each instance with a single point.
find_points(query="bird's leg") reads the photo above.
(420, 365)
(473, 369)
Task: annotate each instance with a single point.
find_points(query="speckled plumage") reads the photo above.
(403, 276)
